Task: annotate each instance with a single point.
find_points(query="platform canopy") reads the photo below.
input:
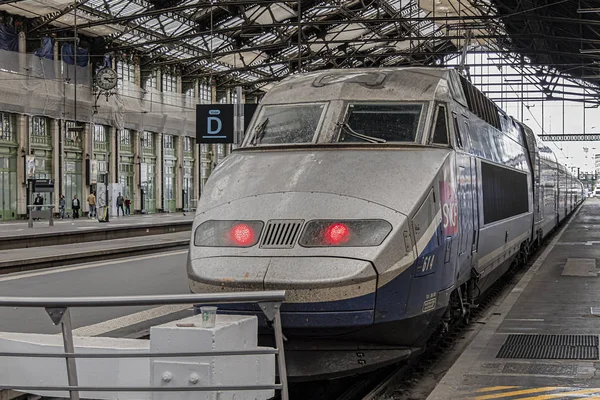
(254, 43)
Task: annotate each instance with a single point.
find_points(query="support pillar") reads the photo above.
(57, 72)
(87, 153)
(113, 143)
(179, 172)
(22, 52)
(206, 157)
(56, 167)
(137, 160)
(137, 72)
(196, 172)
(159, 169)
(23, 141)
(179, 85)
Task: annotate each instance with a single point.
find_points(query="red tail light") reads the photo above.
(228, 233)
(337, 233)
(242, 235)
(344, 233)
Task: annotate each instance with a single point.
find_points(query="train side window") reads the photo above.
(457, 132)
(440, 133)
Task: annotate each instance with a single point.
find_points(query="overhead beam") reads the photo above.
(162, 11)
(51, 17)
(569, 137)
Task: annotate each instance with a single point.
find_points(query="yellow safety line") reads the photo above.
(494, 388)
(518, 392)
(565, 394)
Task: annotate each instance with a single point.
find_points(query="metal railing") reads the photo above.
(58, 310)
(41, 211)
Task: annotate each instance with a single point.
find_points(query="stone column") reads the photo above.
(178, 172)
(213, 93)
(56, 167)
(159, 167)
(113, 140)
(23, 141)
(23, 134)
(60, 157)
(23, 52)
(137, 159)
(137, 72)
(196, 172)
(57, 71)
(87, 153)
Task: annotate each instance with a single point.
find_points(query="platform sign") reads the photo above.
(42, 185)
(214, 123)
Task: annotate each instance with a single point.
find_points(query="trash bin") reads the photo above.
(102, 213)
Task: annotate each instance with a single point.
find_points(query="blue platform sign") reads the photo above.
(215, 123)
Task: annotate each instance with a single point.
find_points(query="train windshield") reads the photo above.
(381, 123)
(284, 124)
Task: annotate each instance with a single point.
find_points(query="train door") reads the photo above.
(475, 207)
(467, 196)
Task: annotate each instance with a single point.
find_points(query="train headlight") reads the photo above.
(345, 233)
(228, 233)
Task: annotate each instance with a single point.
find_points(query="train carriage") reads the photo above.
(385, 201)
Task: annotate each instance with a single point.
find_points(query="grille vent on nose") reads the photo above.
(281, 234)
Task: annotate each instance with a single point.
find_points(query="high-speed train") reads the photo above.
(384, 201)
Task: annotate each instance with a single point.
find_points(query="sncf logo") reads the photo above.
(449, 209)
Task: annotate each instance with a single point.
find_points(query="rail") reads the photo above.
(58, 310)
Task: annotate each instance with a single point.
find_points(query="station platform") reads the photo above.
(17, 234)
(542, 340)
(47, 256)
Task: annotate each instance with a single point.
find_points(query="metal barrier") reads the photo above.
(58, 310)
(35, 212)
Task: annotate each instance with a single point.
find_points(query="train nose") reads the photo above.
(329, 283)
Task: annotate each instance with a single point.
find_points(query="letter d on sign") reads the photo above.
(215, 123)
(210, 125)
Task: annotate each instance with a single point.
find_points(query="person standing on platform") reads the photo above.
(62, 203)
(75, 205)
(39, 200)
(120, 204)
(92, 203)
(127, 206)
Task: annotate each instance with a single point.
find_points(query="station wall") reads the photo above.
(158, 171)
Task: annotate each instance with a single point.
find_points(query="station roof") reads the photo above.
(255, 43)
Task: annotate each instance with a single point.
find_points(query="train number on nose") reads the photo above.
(426, 265)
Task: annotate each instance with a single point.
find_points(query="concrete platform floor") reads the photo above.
(19, 228)
(99, 250)
(559, 295)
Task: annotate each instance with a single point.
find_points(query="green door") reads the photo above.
(73, 183)
(8, 187)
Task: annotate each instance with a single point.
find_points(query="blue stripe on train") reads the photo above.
(403, 297)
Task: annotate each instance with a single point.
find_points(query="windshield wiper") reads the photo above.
(346, 127)
(258, 132)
